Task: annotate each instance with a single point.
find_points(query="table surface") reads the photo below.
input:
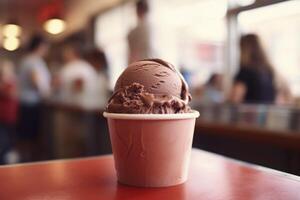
(211, 177)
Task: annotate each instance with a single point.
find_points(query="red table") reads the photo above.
(211, 177)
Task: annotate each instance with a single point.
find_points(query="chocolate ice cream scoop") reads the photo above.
(150, 86)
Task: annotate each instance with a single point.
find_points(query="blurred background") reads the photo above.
(60, 59)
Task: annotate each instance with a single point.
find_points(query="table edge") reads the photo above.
(243, 163)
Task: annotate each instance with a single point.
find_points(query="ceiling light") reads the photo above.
(55, 26)
(11, 43)
(11, 30)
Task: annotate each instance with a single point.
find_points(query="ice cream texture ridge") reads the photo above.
(150, 86)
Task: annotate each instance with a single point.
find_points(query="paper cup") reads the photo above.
(151, 150)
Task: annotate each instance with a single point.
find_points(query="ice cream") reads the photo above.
(150, 86)
(150, 124)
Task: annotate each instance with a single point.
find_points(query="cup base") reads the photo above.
(152, 186)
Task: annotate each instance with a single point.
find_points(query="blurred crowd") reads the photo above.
(83, 81)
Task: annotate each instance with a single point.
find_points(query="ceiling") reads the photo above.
(75, 12)
(20, 2)
(19, 8)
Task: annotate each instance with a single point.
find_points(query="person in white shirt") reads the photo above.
(34, 86)
(139, 37)
(98, 60)
(34, 75)
(77, 78)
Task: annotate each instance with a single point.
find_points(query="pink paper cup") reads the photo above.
(151, 150)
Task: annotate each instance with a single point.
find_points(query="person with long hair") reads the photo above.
(255, 81)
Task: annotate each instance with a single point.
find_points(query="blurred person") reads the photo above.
(34, 84)
(297, 102)
(139, 37)
(77, 78)
(98, 60)
(8, 111)
(187, 74)
(284, 94)
(255, 81)
(213, 91)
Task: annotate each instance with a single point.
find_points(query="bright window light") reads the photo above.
(55, 26)
(11, 43)
(245, 2)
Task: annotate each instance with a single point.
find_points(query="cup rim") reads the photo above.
(191, 115)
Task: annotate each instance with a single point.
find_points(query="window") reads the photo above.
(278, 26)
(190, 34)
(111, 30)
